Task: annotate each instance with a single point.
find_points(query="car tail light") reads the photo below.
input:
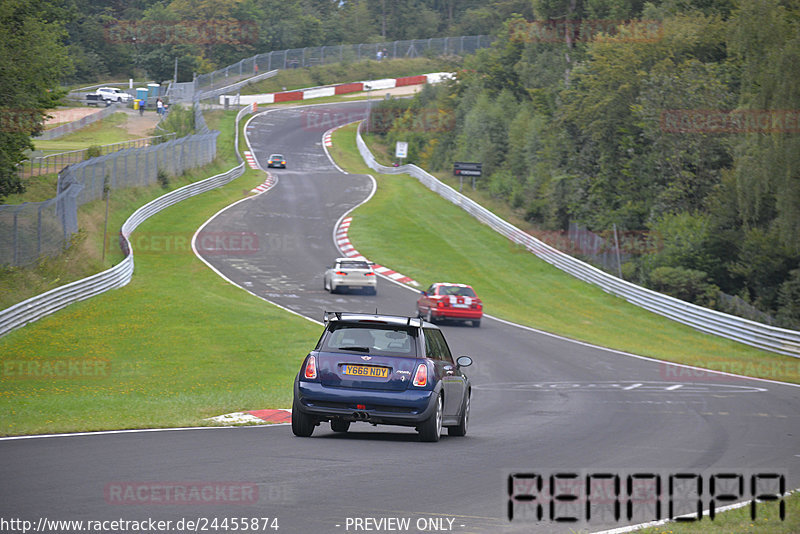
(441, 304)
(311, 368)
(421, 376)
(361, 406)
(341, 273)
(369, 274)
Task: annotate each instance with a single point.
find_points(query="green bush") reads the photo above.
(789, 301)
(163, 178)
(686, 284)
(93, 152)
(179, 120)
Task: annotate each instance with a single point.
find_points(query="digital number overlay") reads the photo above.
(606, 496)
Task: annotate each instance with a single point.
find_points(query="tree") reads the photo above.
(33, 60)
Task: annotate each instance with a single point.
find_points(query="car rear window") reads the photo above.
(354, 265)
(377, 340)
(456, 290)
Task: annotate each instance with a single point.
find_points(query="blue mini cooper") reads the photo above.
(383, 370)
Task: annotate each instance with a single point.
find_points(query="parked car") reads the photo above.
(95, 100)
(383, 370)
(450, 301)
(348, 273)
(113, 94)
(276, 160)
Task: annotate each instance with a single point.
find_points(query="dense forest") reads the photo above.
(676, 121)
(101, 32)
(48, 44)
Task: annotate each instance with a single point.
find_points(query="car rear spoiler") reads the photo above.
(328, 316)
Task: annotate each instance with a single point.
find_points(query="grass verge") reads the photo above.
(767, 521)
(176, 345)
(447, 244)
(84, 256)
(109, 130)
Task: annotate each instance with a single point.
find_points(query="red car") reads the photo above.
(450, 301)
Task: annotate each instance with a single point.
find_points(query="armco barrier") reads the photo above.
(47, 303)
(758, 335)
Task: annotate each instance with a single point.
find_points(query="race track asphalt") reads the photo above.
(541, 404)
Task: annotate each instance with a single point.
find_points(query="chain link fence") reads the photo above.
(31, 230)
(326, 55)
(64, 129)
(34, 229)
(53, 163)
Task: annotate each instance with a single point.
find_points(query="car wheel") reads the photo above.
(333, 288)
(461, 428)
(337, 425)
(302, 424)
(476, 323)
(372, 290)
(325, 284)
(431, 429)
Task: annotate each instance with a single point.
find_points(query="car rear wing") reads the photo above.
(331, 316)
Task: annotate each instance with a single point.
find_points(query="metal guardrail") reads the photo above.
(45, 304)
(752, 333)
(326, 55)
(205, 95)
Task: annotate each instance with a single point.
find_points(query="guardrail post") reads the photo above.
(39, 231)
(16, 238)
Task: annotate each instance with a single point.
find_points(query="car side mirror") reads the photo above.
(424, 293)
(464, 361)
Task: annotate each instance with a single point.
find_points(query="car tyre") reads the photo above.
(476, 323)
(302, 424)
(461, 429)
(431, 429)
(337, 425)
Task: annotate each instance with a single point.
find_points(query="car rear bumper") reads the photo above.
(456, 313)
(404, 408)
(355, 281)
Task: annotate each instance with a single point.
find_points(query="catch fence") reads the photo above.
(326, 55)
(31, 230)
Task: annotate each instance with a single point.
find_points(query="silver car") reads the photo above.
(348, 273)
